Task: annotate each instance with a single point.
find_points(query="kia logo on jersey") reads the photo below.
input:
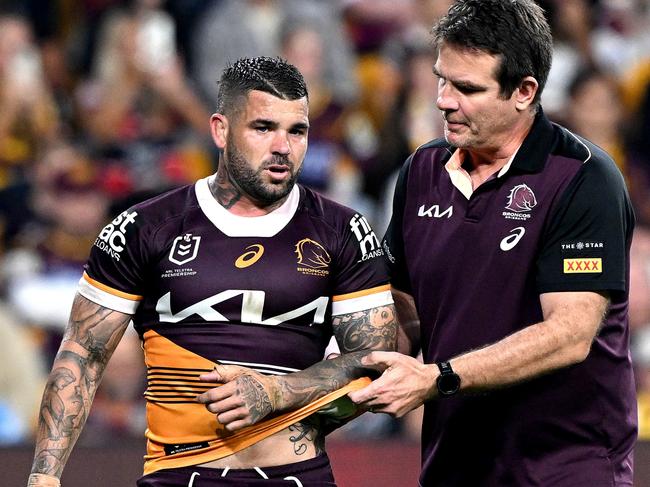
(184, 249)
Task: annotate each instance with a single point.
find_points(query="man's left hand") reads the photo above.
(245, 398)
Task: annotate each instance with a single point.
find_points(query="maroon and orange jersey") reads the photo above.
(204, 285)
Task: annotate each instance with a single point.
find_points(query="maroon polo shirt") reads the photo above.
(558, 218)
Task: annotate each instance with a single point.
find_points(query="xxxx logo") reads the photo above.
(247, 259)
(583, 266)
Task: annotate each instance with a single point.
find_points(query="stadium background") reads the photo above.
(106, 102)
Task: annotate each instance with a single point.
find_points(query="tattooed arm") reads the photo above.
(90, 338)
(248, 396)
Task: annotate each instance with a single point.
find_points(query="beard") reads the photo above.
(251, 181)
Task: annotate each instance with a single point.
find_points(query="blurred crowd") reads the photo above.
(106, 102)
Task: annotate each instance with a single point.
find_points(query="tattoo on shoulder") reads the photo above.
(373, 329)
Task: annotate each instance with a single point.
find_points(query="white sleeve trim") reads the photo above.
(362, 303)
(105, 299)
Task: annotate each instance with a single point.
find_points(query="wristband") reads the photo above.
(43, 480)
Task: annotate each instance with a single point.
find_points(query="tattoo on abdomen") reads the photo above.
(303, 434)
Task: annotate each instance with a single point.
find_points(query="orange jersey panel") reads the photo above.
(182, 432)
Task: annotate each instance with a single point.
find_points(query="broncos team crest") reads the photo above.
(521, 201)
(312, 257)
(521, 198)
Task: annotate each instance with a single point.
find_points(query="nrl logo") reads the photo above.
(184, 249)
(521, 199)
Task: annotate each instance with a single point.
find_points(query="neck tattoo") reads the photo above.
(223, 190)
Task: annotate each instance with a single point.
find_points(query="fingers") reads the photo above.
(235, 419)
(212, 376)
(219, 403)
(365, 396)
(214, 395)
(379, 361)
(228, 407)
(223, 373)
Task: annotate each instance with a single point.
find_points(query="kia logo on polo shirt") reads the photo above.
(434, 211)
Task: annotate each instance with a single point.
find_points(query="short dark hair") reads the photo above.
(515, 30)
(271, 75)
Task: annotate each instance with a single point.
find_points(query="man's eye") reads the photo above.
(262, 129)
(468, 90)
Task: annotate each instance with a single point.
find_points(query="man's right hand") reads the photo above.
(404, 385)
(245, 398)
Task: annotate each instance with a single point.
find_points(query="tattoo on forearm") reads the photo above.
(90, 338)
(358, 334)
(255, 396)
(305, 433)
(223, 190)
(303, 387)
(374, 329)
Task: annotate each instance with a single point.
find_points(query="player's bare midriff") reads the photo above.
(293, 444)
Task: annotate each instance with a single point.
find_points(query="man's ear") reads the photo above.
(219, 129)
(525, 93)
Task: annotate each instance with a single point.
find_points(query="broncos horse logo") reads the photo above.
(521, 199)
(312, 254)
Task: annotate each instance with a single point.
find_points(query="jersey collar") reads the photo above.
(242, 226)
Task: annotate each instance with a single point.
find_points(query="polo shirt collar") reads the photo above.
(533, 152)
(529, 157)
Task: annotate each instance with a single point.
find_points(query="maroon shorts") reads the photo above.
(316, 472)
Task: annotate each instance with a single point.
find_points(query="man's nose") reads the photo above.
(445, 101)
(281, 143)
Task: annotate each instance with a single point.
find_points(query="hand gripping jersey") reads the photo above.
(204, 285)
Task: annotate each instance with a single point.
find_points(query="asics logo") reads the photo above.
(509, 242)
(249, 258)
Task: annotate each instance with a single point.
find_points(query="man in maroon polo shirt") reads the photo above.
(509, 243)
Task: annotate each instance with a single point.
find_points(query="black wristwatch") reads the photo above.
(448, 382)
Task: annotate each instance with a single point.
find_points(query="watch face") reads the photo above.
(448, 384)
